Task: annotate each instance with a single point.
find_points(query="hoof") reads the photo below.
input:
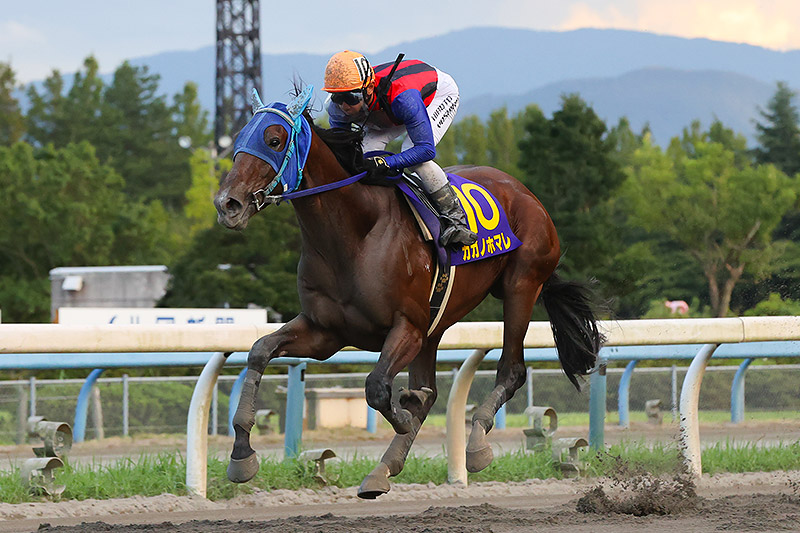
(477, 460)
(243, 470)
(375, 484)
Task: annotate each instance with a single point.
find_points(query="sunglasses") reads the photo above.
(349, 98)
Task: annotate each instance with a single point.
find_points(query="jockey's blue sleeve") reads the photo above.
(336, 117)
(409, 109)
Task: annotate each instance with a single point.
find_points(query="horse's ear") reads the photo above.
(300, 102)
(257, 103)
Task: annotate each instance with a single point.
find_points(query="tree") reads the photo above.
(63, 207)
(470, 139)
(502, 142)
(779, 135)
(722, 212)
(259, 266)
(190, 117)
(569, 164)
(12, 122)
(140, 138)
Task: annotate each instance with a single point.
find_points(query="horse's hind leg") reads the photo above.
(517, 308)
(298, 338)
(418, 401)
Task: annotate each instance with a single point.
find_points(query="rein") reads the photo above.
(266, 199)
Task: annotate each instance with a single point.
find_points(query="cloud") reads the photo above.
(14, 33)
(768, 23)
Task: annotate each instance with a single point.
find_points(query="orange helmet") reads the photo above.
(347, 71)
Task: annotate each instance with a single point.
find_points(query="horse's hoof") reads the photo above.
(243, 470)
(373, 486)
(376, 483)
(477, 460)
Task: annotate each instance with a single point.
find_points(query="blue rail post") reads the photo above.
(500, 418)
(372, 420)
(233, 402)
(597, 406)
(295, 398)
(82, 408)
(737, 392)
(624, 403)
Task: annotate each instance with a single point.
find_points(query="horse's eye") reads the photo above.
(274, 142)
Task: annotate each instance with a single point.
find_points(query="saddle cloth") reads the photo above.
(485, 217)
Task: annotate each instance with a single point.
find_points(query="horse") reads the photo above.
(365, 275)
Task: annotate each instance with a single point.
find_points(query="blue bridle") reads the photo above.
(288, 164)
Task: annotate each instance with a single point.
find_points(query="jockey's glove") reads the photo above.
(376, 167)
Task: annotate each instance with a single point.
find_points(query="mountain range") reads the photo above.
(663, 81)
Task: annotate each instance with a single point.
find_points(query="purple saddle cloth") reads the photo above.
(485, 216)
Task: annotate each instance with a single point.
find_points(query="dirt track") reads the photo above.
(740, 502)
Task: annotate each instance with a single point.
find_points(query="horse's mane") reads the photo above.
(345, 144)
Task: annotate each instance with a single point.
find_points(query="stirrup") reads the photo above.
(454, 233)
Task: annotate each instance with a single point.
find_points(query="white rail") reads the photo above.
(56, 338)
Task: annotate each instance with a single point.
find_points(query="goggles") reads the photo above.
(350, 98)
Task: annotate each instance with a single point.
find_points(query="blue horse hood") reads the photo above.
(288, 164)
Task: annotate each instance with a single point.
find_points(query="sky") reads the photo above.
(41, 35)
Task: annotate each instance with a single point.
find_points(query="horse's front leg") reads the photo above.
(401, 346)
(298, 338)
(417, 400)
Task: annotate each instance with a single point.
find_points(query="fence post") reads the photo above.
(214, 408)
(125, 405)
(623, 399)
(22, 414)
(597, 406)
(500, 418)
(529, 383)
(690, 423)
(82, 408)
(197, 425)
(97, 414)
(737, 392)
(33, 396)
(233, 403)
(295, 399)
(674, 393)
(372, 420)
(456, 412)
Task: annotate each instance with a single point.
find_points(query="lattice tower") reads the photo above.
(238, 64)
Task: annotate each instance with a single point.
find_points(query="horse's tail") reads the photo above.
(572, 317)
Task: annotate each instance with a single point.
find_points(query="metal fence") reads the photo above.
(159, 405)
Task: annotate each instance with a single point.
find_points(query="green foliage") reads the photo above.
(131, 128)
(502, 142)
(713, 204)
(568, 163)
(62, 207)
(779, 134)
(470, 140)
(657, 309)
(262, 266)
(774, 305)
(12, 122)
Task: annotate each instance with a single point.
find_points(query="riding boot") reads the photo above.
(454, 224)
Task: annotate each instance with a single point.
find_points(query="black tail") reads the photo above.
(572, 317)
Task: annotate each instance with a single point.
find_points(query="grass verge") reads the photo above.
(151, 475)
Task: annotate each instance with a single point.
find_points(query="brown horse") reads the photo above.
(365, 275)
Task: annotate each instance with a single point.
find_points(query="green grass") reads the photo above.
(166, 473)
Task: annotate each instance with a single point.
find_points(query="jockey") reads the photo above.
(405, 96)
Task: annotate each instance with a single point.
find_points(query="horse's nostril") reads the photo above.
(233, 206)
